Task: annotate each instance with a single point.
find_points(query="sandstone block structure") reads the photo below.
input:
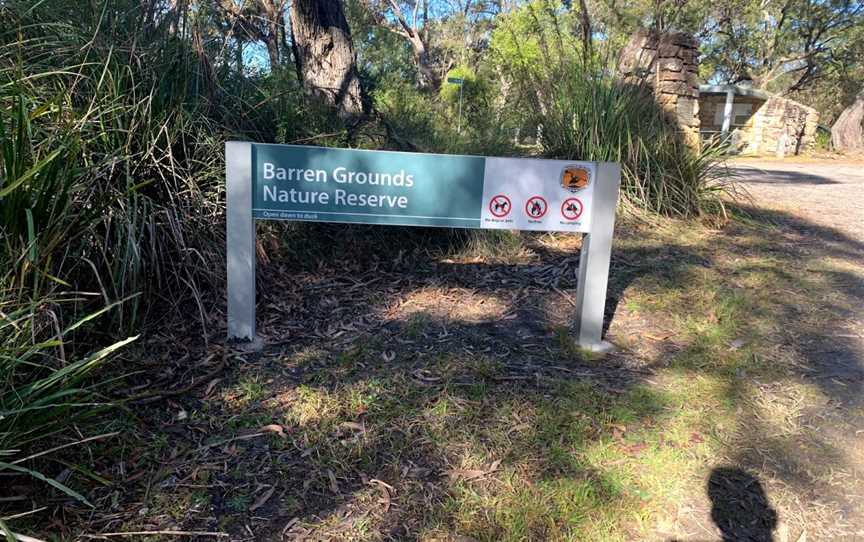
(669, 65)
(759, 122)
(753, 121)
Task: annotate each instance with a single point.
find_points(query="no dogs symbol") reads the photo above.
(572, 208)
(536, 207)
(500, 206)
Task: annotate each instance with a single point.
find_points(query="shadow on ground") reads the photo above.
(780, 176)
(407, 395)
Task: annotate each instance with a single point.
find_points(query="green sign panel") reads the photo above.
(455, 80)
(342, 185)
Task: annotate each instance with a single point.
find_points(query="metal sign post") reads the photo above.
(315, 184)
(461, 82)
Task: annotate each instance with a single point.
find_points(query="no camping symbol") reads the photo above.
(572, 208)
(536, 207)
(500, 206)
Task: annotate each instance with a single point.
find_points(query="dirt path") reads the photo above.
(827, 193)
(806, 481)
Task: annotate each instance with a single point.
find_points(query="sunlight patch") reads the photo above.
(454, 304)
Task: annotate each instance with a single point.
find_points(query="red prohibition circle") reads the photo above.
(566, 213)
(545, 207)
(506, 209)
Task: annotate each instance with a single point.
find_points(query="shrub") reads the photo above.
(571, 93)
(602, 120)
(43, 383)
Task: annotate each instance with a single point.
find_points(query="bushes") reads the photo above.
(430, 125)
(584, 113)
(42, 391)
(601, 120)
(43, 386)
(109, 183)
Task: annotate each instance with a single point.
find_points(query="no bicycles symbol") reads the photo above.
(571, 209)
(536, 207)
(500, 206)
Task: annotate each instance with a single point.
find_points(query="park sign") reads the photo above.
(412, 189)
(317, 184)
(455, 80)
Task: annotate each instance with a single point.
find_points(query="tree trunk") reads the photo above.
(238, 55)
(847, 134)
(399, 24)
(325, 56)
(272, 11)
(272, 42)
(426, 76)
(587, 33)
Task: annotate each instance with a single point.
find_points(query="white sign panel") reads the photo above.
(537, 195)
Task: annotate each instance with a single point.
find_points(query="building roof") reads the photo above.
(739, 90)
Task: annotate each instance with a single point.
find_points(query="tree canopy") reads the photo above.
(810, 50)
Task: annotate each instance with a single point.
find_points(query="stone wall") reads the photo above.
(784, 127)
(775, 126)
(669, 64)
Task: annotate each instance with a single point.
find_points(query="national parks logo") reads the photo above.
(575, 178)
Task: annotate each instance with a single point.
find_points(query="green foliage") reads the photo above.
(42, 392)
(531, 48)
(37, 182)
(450, 92)
(535, 38)
(823, 139)
(43, 386)
(608, 121)
(430, 125)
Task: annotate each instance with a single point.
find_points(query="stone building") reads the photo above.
(753, 121)
(756, 122)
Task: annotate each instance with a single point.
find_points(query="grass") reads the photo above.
(408, 431)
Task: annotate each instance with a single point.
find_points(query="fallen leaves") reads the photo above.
(274, 428)
(354, 426)
(262, 499)
(466, 475)
(386, 490)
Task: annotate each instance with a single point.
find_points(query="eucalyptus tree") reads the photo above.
(324, 55)
(409, 20)
(781, 45)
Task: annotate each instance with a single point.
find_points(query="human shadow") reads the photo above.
(739, 506)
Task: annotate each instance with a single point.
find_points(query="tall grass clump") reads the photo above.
(109, 188)
(603, 120)
(44, 385)
(569, 91)
(44, 390)
(131, 109)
